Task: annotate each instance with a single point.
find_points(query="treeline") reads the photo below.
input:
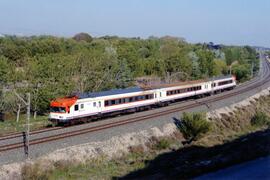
(50, 67)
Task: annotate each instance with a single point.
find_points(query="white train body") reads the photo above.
(102, 103)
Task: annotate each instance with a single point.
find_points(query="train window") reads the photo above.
(224, 82)
(76, 107)
(99, 104)
(106, 103)
(131, 99)
(94, 104)
(213, 85)
(82, 106)
(160, 94)
(123, 100)
(112, 102)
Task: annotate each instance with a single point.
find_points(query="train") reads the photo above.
(89, 106)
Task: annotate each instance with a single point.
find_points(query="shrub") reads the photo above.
(260, 119)
(194, 125)
(162, 144)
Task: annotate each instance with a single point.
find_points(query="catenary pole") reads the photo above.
(28, 124)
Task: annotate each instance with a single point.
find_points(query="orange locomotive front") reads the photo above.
(60, 108)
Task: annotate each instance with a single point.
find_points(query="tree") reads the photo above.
(206, 62)
(220, 67)
(83, 37)
(242, 72)
(4, 69)
(123, 76)
(229, 56)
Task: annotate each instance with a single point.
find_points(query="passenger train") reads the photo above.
(88, 106)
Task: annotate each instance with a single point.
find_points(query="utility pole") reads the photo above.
(28, 103)
(252, 67)
(28, 125)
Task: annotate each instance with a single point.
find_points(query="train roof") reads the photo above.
(110, 92)
(219, 78)
(139, 89)
(164, 85)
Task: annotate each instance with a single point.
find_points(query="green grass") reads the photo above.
(92, 169)
(10, 125)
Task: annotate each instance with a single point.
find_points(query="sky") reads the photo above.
(231, 22)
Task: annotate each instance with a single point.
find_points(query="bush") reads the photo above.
(194, 125)
(260, 119)
(162, 144)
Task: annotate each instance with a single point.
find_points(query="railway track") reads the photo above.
(265, 78)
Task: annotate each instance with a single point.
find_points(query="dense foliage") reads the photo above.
(194, 125)
(49, 67)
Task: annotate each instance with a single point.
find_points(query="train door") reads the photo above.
(158, 95)
(99, 106)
